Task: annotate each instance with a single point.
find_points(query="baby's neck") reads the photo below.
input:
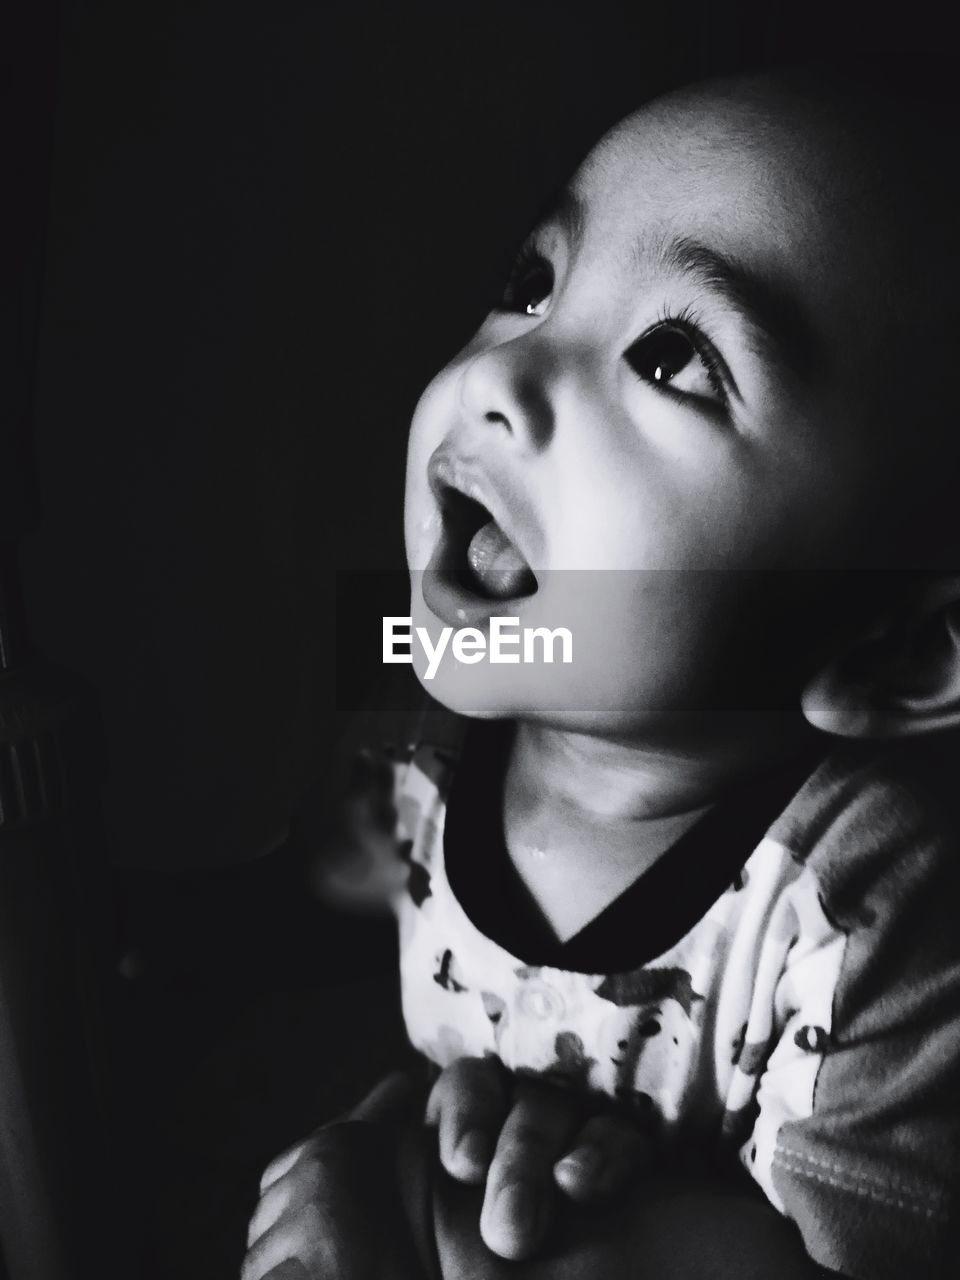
(585, 816)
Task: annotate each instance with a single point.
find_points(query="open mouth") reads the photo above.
(478, 554)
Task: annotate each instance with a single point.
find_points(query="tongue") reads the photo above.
(497, 564)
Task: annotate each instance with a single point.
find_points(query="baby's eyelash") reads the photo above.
(688, 322)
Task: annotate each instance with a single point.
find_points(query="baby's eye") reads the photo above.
(529, 284)
(672, 358)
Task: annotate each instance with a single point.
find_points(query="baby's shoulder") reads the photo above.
(878, 825)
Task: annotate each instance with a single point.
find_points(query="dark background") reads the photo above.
(270, 225)
(251, 233)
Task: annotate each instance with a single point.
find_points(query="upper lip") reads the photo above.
(449, 470)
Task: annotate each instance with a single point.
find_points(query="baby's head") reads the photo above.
(710, 414)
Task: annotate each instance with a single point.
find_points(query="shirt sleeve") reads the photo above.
(857, 1132)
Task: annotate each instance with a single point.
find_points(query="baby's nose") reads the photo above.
(508, 386)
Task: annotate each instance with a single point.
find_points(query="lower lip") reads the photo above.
(454, 605)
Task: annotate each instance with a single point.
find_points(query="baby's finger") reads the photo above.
(603, 1157)
(520, 1198)
(469, 1104)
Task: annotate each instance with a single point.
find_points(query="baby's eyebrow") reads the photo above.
(782, 332)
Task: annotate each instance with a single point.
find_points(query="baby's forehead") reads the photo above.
(733, 159)
(836, 154)
(841, 203)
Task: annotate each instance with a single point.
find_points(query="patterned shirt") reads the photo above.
(782, 986)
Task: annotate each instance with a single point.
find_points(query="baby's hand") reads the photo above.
(528, 1140)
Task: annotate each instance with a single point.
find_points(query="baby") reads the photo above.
(705, 875)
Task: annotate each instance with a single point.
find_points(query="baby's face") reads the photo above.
(671, 418)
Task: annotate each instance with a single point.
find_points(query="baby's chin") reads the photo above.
(470, 680)
(585, 696)
(467, 698)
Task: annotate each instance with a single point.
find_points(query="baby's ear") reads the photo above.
(899, 676)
